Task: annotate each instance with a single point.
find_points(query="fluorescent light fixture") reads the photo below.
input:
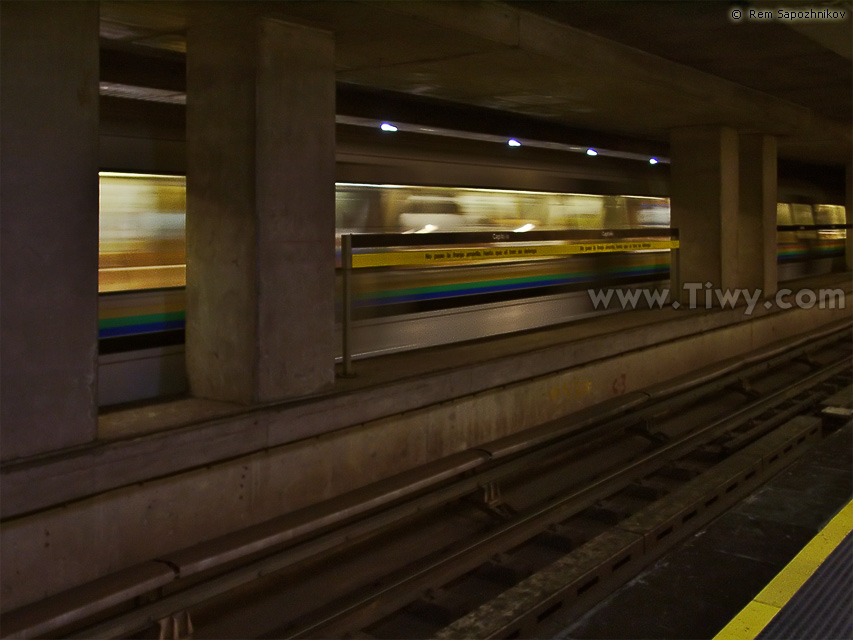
(524, 227)
(387, 126)
(513, 142)
(653, 160)
(131, 92)
(591, 152)
(488, 137)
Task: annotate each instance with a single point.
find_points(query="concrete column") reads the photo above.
(704, 199)
(848, 209)
(260, 208)
(49, 225)
(757, 215)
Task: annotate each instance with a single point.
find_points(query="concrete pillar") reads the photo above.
(704, 200)
(757, 214)
(848, 208)
(260, 208)
(49, 225)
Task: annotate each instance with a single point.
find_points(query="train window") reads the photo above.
(802, 214)
(352, 209)
(142, 225)
(783, 214)
(830, 214)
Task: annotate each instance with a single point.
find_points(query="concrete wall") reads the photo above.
(49, 169)
(77, 542)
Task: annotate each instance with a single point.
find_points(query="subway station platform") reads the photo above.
(730, 580)
(811, 597)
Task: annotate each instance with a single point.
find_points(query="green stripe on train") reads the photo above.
(462, 286)
(108, 323)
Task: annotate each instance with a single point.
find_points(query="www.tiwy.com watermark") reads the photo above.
(703, 295)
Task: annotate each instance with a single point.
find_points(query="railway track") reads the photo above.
(602, 504)
(554, 519)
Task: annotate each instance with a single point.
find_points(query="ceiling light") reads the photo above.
(493, 138)
(653, 160)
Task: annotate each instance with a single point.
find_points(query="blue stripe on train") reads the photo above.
(133, 329)
(432, 295)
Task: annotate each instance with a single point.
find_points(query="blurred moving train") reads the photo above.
(142, 268)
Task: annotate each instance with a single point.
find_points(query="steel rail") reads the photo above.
(585, 575)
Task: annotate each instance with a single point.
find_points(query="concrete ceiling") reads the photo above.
(631, 68)
(806, 63)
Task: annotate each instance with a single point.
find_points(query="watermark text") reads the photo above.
(704, 295)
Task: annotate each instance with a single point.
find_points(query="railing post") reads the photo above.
(675, 269)
(346, 324)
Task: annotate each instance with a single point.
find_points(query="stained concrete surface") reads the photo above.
(699, 587)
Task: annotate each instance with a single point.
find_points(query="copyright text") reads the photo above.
(789, 14)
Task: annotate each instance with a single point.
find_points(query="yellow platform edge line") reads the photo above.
(747, 624)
